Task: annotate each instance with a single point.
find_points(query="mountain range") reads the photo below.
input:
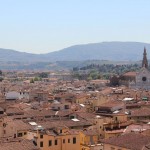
(115, 51)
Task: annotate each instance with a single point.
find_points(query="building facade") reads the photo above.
(142, 78)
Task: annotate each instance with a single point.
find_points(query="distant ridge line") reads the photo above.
(116, 51)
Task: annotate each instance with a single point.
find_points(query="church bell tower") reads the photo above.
(145, 61)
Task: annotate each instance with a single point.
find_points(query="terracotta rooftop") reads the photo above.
(111, 104)
(141, 112)
(86, 115)
(13, 110)
(67, 123)
(39, 113)
(90, 132)
(20, 125)
(137, 128)
(130, 74)
(17, 144)
(134, 141)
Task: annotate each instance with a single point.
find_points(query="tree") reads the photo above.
(94, 74)
(1, 72)
(36, 79)
(32, 81)
(43, 75)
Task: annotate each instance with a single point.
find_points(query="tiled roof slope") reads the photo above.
(17, 144)
(134, 141)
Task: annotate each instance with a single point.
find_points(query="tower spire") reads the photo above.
(145, 61)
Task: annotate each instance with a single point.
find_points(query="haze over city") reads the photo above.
(37, 26)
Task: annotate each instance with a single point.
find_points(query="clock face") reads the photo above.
(144, 79)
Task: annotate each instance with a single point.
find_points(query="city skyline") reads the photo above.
(45, 26)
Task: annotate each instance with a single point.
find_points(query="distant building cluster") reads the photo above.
(58, 112)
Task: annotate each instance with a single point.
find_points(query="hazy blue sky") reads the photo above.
(41, 26)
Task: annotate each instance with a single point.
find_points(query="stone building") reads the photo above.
(142, 78)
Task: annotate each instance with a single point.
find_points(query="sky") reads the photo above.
(42, 26)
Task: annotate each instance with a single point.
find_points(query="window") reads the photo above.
(116, 119)
(41, 144)
(144, 79)
(63, 140)
(4, 131)
(60, 131)
(19, 134)
(66, 106)
(50, 143)
(74, 140)
(55, 142)
(68, 140)
(47, 116)
(41, 136)
(71, 117)
(34, 143)
(25, 133)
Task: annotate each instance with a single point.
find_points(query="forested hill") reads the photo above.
(102, 51)
(118, 51)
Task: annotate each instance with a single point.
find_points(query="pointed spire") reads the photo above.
(145, 61)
